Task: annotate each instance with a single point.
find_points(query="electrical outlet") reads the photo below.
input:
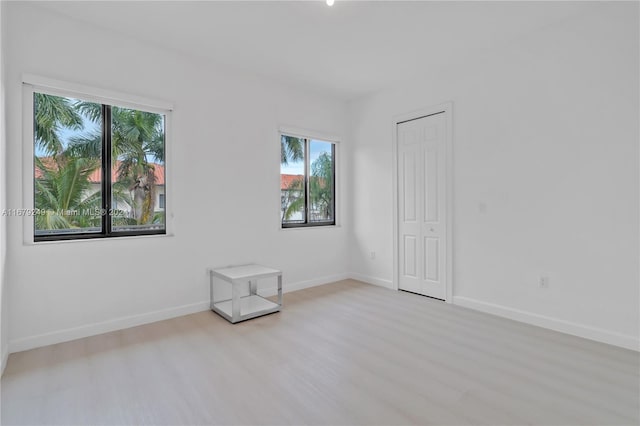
(544, 281)
(372, 255)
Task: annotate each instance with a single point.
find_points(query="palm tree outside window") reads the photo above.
(98, 169)
(307, 182)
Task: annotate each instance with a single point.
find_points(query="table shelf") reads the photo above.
(250, 307)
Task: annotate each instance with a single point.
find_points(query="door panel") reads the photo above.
(410, 260)
(409, 185)
(421, 191)
(431, 185)
(431, 256)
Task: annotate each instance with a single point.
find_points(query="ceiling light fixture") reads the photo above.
(330, 2)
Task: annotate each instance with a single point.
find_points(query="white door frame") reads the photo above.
(447, 109)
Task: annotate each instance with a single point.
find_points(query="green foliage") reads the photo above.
(320, 192)
(159, 218)
(137, 138)
(321, 187)
(62, 194)
(91, 110)
(52, 113)
(293, 201)
(291, 149)
(87, 146)
(137, 135)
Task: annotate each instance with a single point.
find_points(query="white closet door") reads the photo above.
(422, 216)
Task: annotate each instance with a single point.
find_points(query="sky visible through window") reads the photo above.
(317, 148)
(65, 133)
(306, 196)
(69, 169)
(89, 127)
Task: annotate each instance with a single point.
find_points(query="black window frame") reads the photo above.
(106, 180)
(307, 172)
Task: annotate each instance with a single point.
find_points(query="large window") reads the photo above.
(99, 169)
(307, 182)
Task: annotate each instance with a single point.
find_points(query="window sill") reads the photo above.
(87, 240)
(298, 228)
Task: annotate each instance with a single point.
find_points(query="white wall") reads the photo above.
(225, 175)
(4, 311)
(545, 138)
(545, 175)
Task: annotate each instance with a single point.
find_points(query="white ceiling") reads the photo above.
(348, 50)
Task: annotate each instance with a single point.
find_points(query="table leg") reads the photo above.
(253, 287)
(210, 289)
(280, 290)
(235, 302)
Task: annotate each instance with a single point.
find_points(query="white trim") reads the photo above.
(301, 285)
(95, 94)
(39, 84)
(4, 285)
(447, 109)
(297, 228)
(168, 175)
(372, 280)
(90, 240)
(567, 327)
(65, 335)
(592, 333)
(27, 180)
(309, 134)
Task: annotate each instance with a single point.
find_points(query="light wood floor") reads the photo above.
(343, 353)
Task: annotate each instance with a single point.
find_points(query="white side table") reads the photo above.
(240, 308)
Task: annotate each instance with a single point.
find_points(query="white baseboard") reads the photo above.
(568, 327)
(597, 334)
(59, 336)
(31, 342)
(289, 287)
(372, 280)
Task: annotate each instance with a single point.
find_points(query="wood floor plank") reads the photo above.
(343, 353)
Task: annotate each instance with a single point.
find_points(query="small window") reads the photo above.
(97, 169)
(307, 182)
(161, 201)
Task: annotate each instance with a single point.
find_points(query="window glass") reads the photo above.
(321, 181)
(307, 182)
(67, 165)
(73, 197)
(137, 169)
(292, 180)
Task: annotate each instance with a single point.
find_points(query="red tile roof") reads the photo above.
(158, 171)
(287, 180)
(96, 176)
